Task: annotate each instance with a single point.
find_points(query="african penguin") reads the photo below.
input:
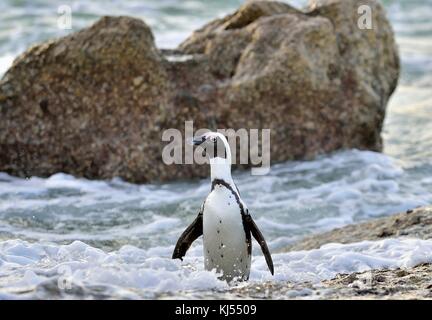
(223, 220)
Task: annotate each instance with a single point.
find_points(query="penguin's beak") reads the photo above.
(196, 141)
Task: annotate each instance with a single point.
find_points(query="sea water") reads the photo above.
(70, 237)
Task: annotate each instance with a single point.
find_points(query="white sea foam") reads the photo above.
(133, 272)
(5, 63)
(296, 198)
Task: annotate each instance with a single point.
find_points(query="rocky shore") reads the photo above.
(411, 283)
(416, 223)
(407, 283)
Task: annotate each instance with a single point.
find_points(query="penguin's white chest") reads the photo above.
(225, 245)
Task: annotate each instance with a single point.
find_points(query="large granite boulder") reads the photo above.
(95, 103)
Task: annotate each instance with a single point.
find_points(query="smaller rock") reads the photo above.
(137, 81)
(385, 233)
(401, 273)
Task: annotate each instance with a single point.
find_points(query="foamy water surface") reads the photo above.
(113, 239)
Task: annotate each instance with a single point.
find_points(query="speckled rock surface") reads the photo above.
(406, 283)
(416, 223)
(411, 283)
(95, 103)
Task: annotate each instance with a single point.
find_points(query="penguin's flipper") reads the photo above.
(260, 239)
(192, 232)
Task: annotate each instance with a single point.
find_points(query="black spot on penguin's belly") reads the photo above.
(243, 211)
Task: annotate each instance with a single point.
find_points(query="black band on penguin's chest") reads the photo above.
(242, 210)
(228, 186)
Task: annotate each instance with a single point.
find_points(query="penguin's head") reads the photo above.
(208, 138)
(214, 143)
